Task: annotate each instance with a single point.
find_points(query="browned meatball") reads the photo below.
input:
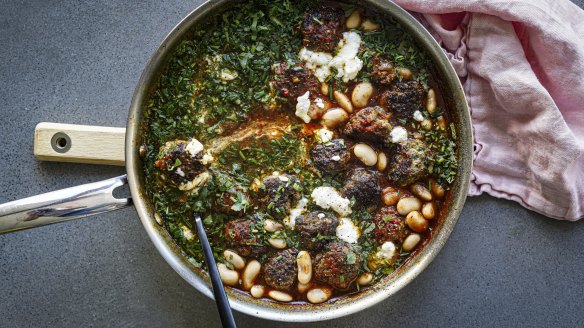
(369, 124)
(280, 271)
(403, 99)
(316, 229)
(363, 185)
(382, 71)
(322, 28)
(389, 225)
(282, 192)
(409, 161)
(331, 157)
(292, 81)
(338, 265)
(177, 163)
(240, 235)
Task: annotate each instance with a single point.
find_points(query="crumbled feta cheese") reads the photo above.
(324, 135)
(314, 59)
(319, 102)
(418, 116)
(346, 61)
(227, 75)
(303, 106)
(180, 172)
(187, 233)
(398, 134)
(283, 178)
(336, 158)
(207, 158)
(321, 215)
(329, 197)
(290, 221)
(387, 250)
(348, 231)
(194, 147)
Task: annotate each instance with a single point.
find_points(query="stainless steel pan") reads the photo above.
(97, 197)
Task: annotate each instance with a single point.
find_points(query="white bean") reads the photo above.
(437, 190)
(304, 267)
(228, 276)
(343, 101)
(158, 218)
(381, 161)
(429, 210)
(324, 88)
(257, 291)
(369, 26)
(422, 192)
(365, 279)
(361, 94)
(272, 226)
(390, 196)
(334, 117)
(250, 274)
(318, 295)
(408, 204)
(234, 259)
(441, 122)
(411, 242)
(366, 154)
(354, 20)
(416, 221)
(405, 73)
(426, 124)
(302, 288)
(431, 101)
(278, 243)
(280, 296)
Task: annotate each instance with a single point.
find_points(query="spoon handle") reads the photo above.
(220, 298)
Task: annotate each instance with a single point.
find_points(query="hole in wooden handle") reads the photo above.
(61, 142)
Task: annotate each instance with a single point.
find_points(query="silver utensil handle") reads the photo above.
(62, 205)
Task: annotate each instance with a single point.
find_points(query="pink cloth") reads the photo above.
(522, 67)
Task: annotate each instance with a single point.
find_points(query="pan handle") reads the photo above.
(62, 205)
(79, 143)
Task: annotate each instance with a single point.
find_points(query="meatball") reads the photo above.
(239, 234)
(280, 271)
(331, 157)
(183, 163)
(363, 185)
(389, 225)
(322, 28)
(369, 124)
(338, 265)
(282, 192)
(316, 229)
(292, 81)
(403, 99)
(382, 71)
(409, 161)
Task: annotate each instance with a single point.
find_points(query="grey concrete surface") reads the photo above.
(77, 62)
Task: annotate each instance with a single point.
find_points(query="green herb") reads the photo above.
(351, 258)
(444, 164)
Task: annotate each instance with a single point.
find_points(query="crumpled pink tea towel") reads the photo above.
(521, 63)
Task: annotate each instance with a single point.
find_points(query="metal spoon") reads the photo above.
(220, 297)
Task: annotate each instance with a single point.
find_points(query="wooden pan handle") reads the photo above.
(79, 144)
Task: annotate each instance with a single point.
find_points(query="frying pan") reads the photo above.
(73, 143)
